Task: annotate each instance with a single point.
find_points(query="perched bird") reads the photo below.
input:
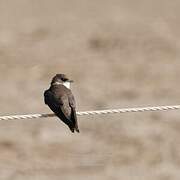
(61, 101)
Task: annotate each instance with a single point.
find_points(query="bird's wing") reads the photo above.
(50, 99)
(59, 105)
(72, 104)
(65, 107)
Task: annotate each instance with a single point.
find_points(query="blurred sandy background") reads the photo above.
(120, 53)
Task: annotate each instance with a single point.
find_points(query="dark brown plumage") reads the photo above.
(61, 101)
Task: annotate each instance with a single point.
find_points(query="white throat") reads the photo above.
(66, 84)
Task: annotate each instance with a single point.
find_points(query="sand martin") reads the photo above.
(61, 101)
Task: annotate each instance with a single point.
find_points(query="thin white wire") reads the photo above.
(108, 111)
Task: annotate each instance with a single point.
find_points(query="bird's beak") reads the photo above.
(71, 81)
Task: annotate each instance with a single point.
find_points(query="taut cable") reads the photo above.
(98, 112)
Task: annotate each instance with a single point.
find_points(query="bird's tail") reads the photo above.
(75, 120)
(71, 128)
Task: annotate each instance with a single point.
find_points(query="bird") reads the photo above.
(61, 101)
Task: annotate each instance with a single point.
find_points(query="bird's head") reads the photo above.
(61, 79)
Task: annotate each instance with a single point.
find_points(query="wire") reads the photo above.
(98, 112)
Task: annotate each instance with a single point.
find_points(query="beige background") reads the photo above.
(120, 53)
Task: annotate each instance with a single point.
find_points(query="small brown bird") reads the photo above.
(61, 101)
